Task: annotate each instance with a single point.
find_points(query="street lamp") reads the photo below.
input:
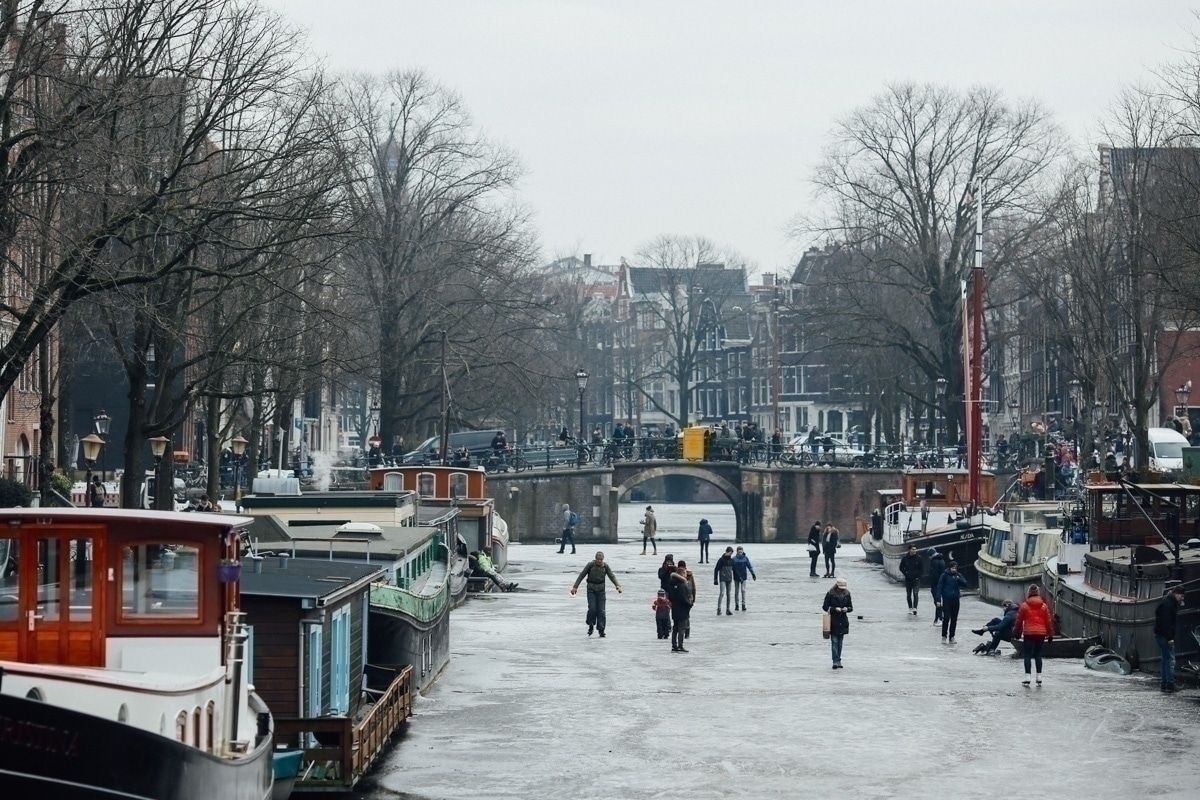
(1181, 399)
(1014, 414)
(238, 445)
(158, 446)
(1097, 416)
(941, 397)
(91, 450)
(581, 379)
(100, 423)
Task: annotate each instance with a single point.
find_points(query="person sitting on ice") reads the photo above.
(1000, 627)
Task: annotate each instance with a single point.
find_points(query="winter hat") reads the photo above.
(662, 592)
(841, 583)
(1033, 589)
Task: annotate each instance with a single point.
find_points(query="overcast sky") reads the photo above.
(637, 117)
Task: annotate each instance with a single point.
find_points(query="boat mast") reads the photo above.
(445, 415)
(975, 378)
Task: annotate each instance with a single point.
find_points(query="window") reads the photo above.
(9, 585)
(248, 655)
(1031, 543)
(210, 724)
(160, 582)
(181, 726)
(425, 484)
(339, 634)
(315, 676)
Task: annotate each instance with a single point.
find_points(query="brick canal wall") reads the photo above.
(792, 499)
(532, 504)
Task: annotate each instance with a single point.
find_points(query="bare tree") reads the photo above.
(897, 177)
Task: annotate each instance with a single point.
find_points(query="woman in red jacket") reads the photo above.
(1036, 628)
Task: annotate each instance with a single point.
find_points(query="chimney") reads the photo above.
(587, 259)
(768, 279)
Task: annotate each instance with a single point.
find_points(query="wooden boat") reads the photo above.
(1060, 647)
(1109, 587)
(1102, 659)
(122, 658)
(285, 765)
(933, 512)
(871, 549)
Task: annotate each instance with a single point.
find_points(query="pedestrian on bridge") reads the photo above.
(596, 572)
(649, 530)
(704, 535)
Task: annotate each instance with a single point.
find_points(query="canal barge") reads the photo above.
(122, 650)
(1141, 540)
(1017, 548)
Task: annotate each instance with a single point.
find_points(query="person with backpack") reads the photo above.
(649, 530)
(570, 520)
(949, 588)
(596, 572)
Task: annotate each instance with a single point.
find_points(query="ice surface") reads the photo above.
(530, 707)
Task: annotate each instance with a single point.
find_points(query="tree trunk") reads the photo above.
(213, 445)
(46, 420)
(389, 384)
(135, 421)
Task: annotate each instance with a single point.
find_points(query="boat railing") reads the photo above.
(423, 607)
(338, 751)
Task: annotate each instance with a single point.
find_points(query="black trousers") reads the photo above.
(595, 612)
(949, 615)
(568, 535)
(912, 591)
(664, 626)
(703, 550)
(679, 616)
(812, 568)
(830, 561)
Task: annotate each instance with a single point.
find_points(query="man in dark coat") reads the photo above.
(937, 565)
(912, 568)
(814, 547)
(682, 597)
(704, 535)
(1166, 621)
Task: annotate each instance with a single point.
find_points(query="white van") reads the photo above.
(1166, 449)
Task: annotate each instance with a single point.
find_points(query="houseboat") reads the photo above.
(479, 526)
(122, 658)
(1141, 540)
(306, 621)
(1017, 549)
(410, 603)
(933, 511)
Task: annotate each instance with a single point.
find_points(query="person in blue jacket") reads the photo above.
(949, 590)
(937, 565)
(741, 567)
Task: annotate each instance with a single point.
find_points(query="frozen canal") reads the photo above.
(530, 707)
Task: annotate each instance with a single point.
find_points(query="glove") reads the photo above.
(755, 577)
(714, 581)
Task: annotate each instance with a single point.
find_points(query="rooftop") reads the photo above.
(305, 578)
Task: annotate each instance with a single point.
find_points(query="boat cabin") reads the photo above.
(307, 623)
(112, 588)
(941, 488)
(1120, 515)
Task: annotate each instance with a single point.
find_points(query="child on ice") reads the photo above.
(662, 614)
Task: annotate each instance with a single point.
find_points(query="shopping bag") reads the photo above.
(826, 625)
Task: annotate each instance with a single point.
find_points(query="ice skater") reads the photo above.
(570, 520)
(1034, 628)
(950, 593)
(912, 569)
(741, 567)
(662, 614)
(703, 536)
(596, 572)
(1001, 629)
(937, 565)
(649, 530)
(723, 576)
(682, 597)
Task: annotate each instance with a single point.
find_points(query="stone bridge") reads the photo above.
(773, 504)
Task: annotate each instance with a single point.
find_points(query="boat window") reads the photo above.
(35, 694)
(210, 723)
(996, 545)
(1031, 543)
(458, 484)
(9, 585)
(49, 582)
(425, 484)
(123, 713)
(197, 731)
(160, 581)
(81, 580)
(393, 482)
(181, 726)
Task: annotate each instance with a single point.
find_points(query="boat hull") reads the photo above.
(958, 544)
(871, 550)
(397, 638)
(53, 752)
(1012, 585)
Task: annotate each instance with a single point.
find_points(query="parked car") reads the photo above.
(831, 449)
(478, 443)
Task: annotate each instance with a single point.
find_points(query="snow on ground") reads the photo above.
(530, 707)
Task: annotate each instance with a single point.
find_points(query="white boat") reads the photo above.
(122, 653)
(1016, 550)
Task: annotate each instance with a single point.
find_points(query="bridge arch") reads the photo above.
(634, 474)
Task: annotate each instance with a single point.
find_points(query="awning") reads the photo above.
(182, 456)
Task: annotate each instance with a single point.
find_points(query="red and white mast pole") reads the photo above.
(975, 378)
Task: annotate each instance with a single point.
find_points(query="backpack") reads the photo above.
(574, 519)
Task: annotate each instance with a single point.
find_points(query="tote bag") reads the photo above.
(826, 625)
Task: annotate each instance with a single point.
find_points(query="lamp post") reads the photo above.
(100, 425)
(941, 398)
(158, 446)
(1076, 392)
(91, 450)
(238, 446)
(581, 379)
(1182, 394)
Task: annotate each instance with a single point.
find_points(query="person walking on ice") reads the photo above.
(911, 568)
(649, 530)
(596, 572)
(570, 520)
(682, 595)
(741, 566)
(723, 575)
(839, 606)
(662, 614)
(1034, 627)
(703, 536)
